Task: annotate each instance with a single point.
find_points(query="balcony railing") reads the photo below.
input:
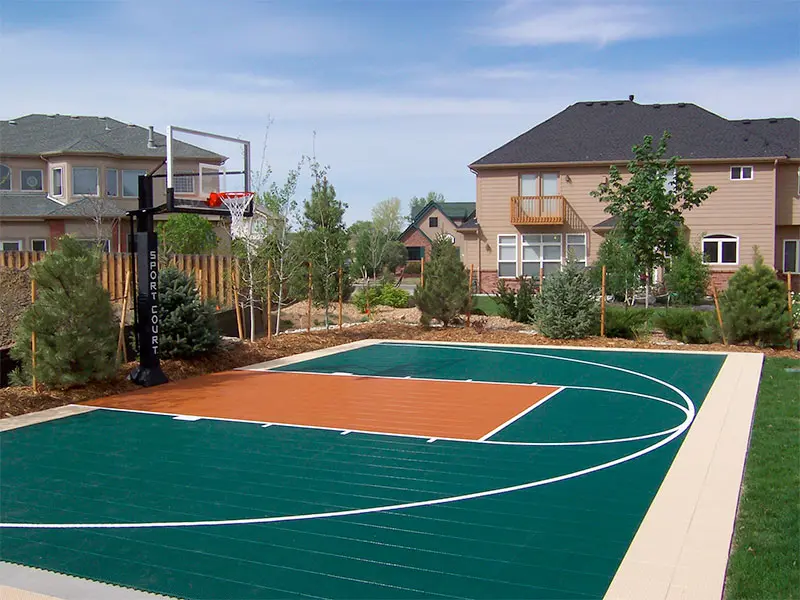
(537, 210)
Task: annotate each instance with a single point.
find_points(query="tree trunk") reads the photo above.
(647, 291)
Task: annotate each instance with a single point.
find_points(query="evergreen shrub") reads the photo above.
(567, 305)
(188, 326)
(446, 291)
(688, 276)
(688, 326)
(627, 322)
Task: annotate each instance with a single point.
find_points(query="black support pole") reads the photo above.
(149, 372)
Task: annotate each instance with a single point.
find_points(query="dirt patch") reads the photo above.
(16, 401)
(15, 297)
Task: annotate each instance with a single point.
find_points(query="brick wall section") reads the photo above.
(720, 279)
(415, 238)
(56, 231)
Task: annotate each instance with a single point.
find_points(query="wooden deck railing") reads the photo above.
(212, 273)
(538, 210)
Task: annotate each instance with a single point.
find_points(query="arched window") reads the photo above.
(5, 177)
(721, 249)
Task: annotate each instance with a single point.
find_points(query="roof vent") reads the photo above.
(773, 120)
(150, 142)
(74, 117)
(604, 104)
(630, 98)
(656, 106)
(746, 122)
(681, 104)
(590, 104)
(51, 116)
(619, 102)
(105, 120)
(12, 122)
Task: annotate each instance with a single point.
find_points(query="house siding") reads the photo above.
(444, 226)
(787, 205)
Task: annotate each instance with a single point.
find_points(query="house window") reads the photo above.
(721, 249)
(576, 247)
(538, 184)
(183, 184)
(415, 252)
(39, 245)
(506, 255)
(529, 184)
(57, 181)
(112, 183)
(5, 177)
(104, 245)
(738, 173)
(541, 251)
(130, 183)
(31, 180)
(84, 181)
(10, 245)
(791, 256)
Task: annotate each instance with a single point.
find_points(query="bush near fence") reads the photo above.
(211, 272)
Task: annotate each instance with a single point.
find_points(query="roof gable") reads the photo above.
(606, 131)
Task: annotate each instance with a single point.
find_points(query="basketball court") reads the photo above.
(395, 470)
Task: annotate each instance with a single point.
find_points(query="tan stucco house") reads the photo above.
(533, 203)
(62, 174)
(452, 219)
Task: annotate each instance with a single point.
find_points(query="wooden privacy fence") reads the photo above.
(212, 273)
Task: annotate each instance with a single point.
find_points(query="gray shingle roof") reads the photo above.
(56, 134)
(606, 131)
(89, 207)
(26, 204)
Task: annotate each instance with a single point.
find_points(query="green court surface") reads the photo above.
(545, 508)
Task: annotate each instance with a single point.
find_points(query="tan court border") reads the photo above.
(43, 416)
(681, 548)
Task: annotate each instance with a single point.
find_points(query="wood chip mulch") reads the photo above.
(19, 400)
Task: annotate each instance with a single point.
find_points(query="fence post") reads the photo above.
(469, 292)
(235, 278)
(791, 314)
(719, 313)
(310, 289)
(33, 343)
(341, 298)
(269, 301)
(422, 271)
(121, 346)
(603, 303)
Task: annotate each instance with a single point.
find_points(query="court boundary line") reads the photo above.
(692, 411)
(516, 417)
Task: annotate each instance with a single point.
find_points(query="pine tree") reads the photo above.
(754, 307)
(188, 326)
(567, 305)
(76, 333)
(446, 290)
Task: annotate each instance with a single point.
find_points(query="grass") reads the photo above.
(487, 304)
(765, 557)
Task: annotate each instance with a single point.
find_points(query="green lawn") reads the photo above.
(487, 304)
(765, 557)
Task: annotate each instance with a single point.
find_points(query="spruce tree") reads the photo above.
(446, 290)
(188, 326)
(567, 305)
(755, 307)
(76, 333)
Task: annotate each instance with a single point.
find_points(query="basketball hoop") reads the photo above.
(236, 203)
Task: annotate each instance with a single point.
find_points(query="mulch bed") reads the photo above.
(15, 297)
(20, 400)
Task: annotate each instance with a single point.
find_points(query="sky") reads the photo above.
(396, 97)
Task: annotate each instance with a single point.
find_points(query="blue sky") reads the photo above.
(402, 94)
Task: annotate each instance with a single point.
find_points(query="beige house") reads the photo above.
(63, 174)
(533, 194)
(451, 219)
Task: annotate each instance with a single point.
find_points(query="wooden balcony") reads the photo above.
(538, 210)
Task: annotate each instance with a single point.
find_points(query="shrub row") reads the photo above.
(382, 294)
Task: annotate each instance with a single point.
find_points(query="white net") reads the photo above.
(237, 203)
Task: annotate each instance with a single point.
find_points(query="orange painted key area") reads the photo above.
(452, 409)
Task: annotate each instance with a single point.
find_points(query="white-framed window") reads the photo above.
(541, 251)
(433, 222)
(5, 177)
(741, 173)
(105, 245)
(130, 183)
(183, 184)
(669, 181)
(85, 181)
(10, 245)
(538, 184)
(507, 256)
(721, 249)
(576, 246)
(57, 181)
(112, 182)
(39, 245)
(791, 256)
(31, 180)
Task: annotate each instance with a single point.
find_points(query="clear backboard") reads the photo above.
(201, 164)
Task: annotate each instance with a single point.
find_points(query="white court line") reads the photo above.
(519, 416)
(690, 414)
(407, 378)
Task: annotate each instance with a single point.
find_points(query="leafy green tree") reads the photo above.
(417, 203)
(188, 326)
(376, 245)
(186, 233)
(622, 274)
(325, 239)
(687, 276)
(76, 332)
(755, 306)
(517, 305)
(649, 206)
(567, 306)
(446, 291)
